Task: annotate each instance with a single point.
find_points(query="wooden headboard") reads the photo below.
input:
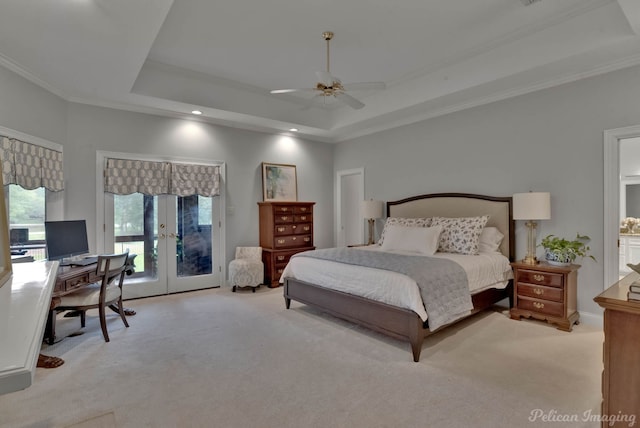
(499, 209)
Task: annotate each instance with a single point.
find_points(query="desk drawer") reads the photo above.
(76, 282)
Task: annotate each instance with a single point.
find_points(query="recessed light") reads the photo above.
(197, 112)
(293, 129)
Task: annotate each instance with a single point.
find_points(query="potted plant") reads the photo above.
(563, 252)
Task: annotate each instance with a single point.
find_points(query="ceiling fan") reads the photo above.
(330, 86)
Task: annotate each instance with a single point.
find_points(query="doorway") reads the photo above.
(617, 251)
(178, 240)
(349, 194)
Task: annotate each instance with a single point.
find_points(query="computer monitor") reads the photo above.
(66, 238)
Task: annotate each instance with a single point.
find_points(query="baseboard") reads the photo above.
(596, 320)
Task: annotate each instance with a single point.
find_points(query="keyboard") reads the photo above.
(84, 262)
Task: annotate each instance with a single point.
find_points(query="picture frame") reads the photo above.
(5, 253)
(279, 182)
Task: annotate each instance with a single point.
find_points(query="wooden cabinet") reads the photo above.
(286, 228)
(621, 353)
(547, 293)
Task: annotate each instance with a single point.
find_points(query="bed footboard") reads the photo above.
(395, 322)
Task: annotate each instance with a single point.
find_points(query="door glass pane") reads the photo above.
(26, 220)
(193, 249)
(136, 229)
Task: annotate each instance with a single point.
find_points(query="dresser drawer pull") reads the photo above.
(303, 217)
(284, 209)
(538, 291)
(303, 209)
(280, 258)
(294, 226)
(306, 228)
(293, 239)
(281, 241)
(284, 217)
(538, 305)
(280, 271)
(538, 278)
(282, 229)
(306, 239)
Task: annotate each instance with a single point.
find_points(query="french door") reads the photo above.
(176, 240)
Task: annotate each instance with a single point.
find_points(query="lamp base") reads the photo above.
(371, 231)
(530, 260)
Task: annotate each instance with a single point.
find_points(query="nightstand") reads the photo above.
(546, 292)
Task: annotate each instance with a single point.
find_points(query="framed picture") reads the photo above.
(279, 182)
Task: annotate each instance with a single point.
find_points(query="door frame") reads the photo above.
(611, 226)
(102, 228)
(338, 202)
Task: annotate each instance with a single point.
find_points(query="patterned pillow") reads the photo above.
(460, 235)
(404, 221)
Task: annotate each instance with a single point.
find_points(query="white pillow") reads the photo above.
(404, 221)
(420, 240)
(490, 240)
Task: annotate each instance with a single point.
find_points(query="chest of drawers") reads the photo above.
(546, 292)
(286, 228)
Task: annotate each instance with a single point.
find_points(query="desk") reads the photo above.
(69, 279)
(24, 303)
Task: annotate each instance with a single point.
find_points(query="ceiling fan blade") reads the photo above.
(349, 100)
(363, 86)
(310, 102)
(287, 91)
(325, 78)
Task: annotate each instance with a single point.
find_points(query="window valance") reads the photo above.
(126, 176)
(31, 166)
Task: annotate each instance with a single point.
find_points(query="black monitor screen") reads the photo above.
(66, 238)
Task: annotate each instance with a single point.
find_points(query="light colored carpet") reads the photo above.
(214, 358)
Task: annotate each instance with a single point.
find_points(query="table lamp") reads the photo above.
(531, 206)
(371, 210)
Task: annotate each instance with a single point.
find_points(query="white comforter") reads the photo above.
(486, 270)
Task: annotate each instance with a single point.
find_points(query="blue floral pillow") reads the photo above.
(460, 235)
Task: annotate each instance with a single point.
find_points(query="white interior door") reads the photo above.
(349, 195)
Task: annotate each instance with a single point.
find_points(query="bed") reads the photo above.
(402, 322)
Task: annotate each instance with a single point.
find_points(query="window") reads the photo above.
(27, 212)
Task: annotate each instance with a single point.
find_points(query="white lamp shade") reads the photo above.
(532, 206)
(371, 209)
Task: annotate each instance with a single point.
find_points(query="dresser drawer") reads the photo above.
(303, 210)
(542, 278)
(283, 209)
(282, 257)
(283, 218)
(303, 218)
(292, 229)
(293, 241)
(541, 292)
(541, 306)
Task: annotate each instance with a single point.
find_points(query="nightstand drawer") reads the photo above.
(541, 306)
(542, 278)
(541, 292)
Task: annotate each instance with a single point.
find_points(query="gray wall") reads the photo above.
(550, 140)
(83, 130)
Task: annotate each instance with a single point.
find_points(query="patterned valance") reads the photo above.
(124, 177)
(31, 166)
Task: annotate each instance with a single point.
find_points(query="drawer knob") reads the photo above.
(538, 277)
(293, 239)
(538, 305)
(281, 241)
(294, 226)
(538, 291)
